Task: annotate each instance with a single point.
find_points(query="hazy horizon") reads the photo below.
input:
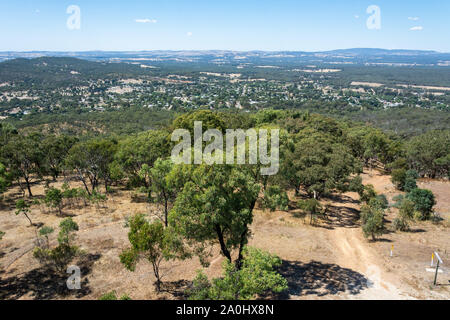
(226, 50)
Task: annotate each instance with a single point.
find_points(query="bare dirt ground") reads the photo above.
(330, 260)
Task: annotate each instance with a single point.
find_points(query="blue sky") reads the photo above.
(231, 24)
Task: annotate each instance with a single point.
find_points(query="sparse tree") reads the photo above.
(60, 256)
(23, 207)
(53, 199)
(151, 241)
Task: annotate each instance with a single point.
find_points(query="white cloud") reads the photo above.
(146, 20)
(417, 28)
(356, 16)
(413, 18)
(189, 34)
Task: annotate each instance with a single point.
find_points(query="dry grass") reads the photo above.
(330, 260)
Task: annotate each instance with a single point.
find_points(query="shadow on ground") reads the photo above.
(316, 278)
(176, 288)
(44, 283)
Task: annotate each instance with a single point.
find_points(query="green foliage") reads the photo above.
(1, 234)
(109, 296)
(25, 157)
(372, 218)
(311, 207)
(427, 153)
(97, 197)
(215, 205)
(405, 214)
(275, 198)
(60, 256)
(45, 231)
(404, 180)
(23, 207)
(56, 148)
(399, 163)
(210, 120)
(53, 198)
(424, 201)
(5, 178)
(398, 177)
(113, 296)
(136, 151)
(368, 192)
(318, 163)
(91, 161)
(410, 180)
(153, 242)
(380, 201)
(356, 185)
(161, 185)
(66, 227)
(372, 145)
(257, 276)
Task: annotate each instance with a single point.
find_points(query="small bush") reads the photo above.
(113, 296)
(60, 256)
(53, 198)
(424, 201)
(373, 221)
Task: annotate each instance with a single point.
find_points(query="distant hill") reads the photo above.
(354, 56)
(53, 72)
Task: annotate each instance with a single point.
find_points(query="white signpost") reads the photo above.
(438, 261)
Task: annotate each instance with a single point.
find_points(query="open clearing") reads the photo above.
(331, 260)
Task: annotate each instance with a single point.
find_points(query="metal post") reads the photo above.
(435, 275)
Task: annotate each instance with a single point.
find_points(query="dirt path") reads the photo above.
(356, 255)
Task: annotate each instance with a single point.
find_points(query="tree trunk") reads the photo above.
(31, 223)
(155, 266)
(27, 181)
(223, 247)
(243, 241)
(166, 213)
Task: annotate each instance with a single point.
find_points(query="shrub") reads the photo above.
(44, 232)
(367, 193)
(53, 198)
(379, 201)
(400, 224)
(311, 207)
(60, 256)
(405, 214)
(113, 296)
(257, 276)
(410, 180)
(373, 221)
(424, 201)
(398, 177)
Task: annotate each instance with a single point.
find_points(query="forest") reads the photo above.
(200, 206)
